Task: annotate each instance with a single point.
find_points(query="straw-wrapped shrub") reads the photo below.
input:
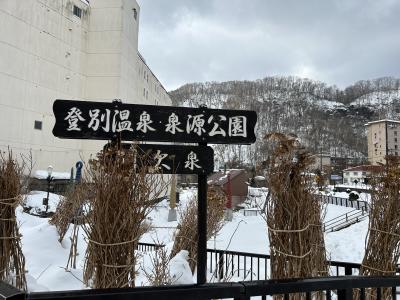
(382, 245)
(12, 260)
(186, 236)
(124, 193)
(69, 209)
(293, 213)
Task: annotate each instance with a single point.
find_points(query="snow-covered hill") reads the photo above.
(324, 117)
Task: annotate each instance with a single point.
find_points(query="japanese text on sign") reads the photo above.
(117, 121)
(101, 120)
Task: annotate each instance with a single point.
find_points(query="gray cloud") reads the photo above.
(338, 42)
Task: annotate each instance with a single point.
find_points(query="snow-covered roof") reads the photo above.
(364, 168)
(381, 121)
(42, 174)
(221, 178)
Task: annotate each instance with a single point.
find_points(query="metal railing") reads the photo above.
(357, 204)
(343, 287)
(246, 266)
(252, 266)
(144, 247)
(344, 220)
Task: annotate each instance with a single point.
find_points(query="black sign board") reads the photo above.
(173, 159)
(118, 121)
(105, 121)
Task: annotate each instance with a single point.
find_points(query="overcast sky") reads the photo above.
(335, 41)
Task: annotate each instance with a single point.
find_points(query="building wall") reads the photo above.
(381, 135)
(321, 161)
(48, 53)
(239, 188)
(350, 176)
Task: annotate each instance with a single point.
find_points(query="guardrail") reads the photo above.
(344, 220)
(246, 266)
(344, 288)
(252, 266)
(357, 204)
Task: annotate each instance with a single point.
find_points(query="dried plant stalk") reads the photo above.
(382, 249)
(187, 236)
(293, 214)
(124, 195)
(69, 208)
(12, 260)
(160, 272)
(73, 251)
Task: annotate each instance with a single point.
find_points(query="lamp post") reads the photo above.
(49, 178)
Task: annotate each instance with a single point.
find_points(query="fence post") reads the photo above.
(9, 292)
(346, 294)
(348, 270)
(221, 265)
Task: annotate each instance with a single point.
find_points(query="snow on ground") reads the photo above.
(42, 174)
(46, 258)
(35, 200)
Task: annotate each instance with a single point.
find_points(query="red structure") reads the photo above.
(234, 182)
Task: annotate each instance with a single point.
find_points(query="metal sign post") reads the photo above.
(202, 229)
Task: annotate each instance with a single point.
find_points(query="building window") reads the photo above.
(144, 92)
(38, 125)
(77, 11)
(355, 173)
(395, 146)
(396, 153)
(135, 13)
(395, 132)
(395, 139)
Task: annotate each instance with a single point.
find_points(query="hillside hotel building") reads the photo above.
(67, 49)
(383, 139)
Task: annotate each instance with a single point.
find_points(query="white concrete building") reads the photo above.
(383, 139)
(67, 49)
(359, 174)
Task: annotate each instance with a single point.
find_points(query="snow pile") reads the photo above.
(179, 268)
(34, 202)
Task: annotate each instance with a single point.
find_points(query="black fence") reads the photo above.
(57, 186)
(357, 204)
(144, 247)
(342, 288)
(246, 266)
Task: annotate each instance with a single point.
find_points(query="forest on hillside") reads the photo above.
(325, 118)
